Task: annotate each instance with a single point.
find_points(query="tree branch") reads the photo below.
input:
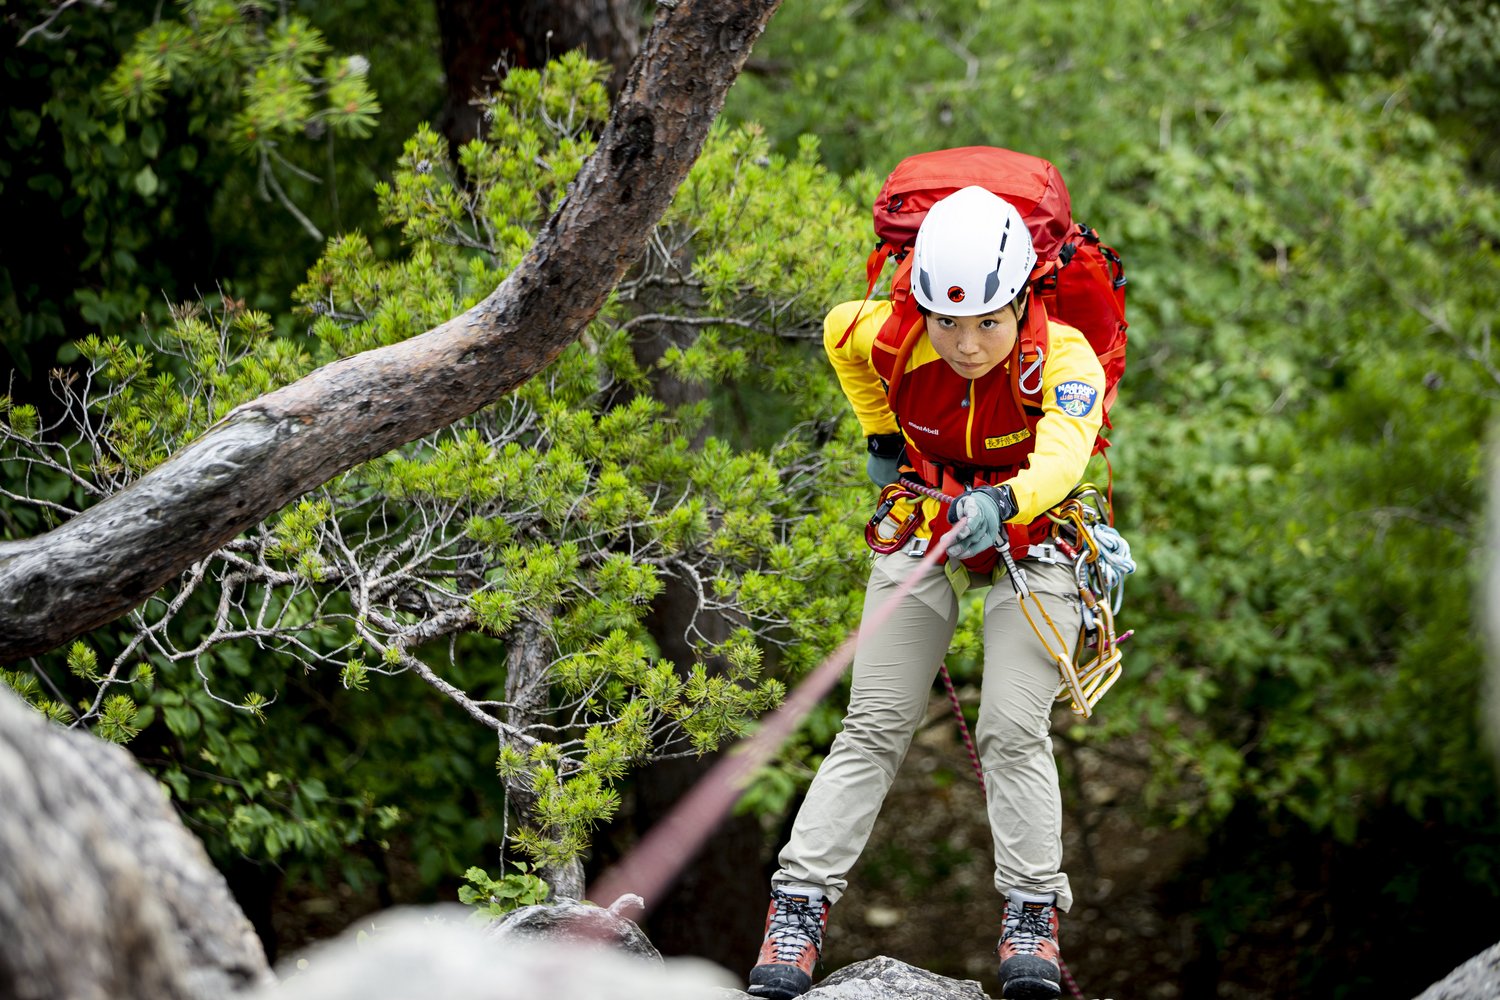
(272, 450)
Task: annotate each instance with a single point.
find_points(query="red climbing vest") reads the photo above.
(996, 423)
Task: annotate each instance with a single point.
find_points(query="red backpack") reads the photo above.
(1079, 279)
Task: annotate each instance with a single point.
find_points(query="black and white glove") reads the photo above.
(987, 509)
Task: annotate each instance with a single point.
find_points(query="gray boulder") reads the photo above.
(883, 978)
(573, 922)
(1476, 979)
(438, 953)
(104, 894)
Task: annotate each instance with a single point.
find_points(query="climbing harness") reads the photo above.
(1081, 535)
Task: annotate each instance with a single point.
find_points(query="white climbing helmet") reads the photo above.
(973, 254)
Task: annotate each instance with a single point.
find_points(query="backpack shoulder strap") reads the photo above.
(892, 349)
(1033, 346)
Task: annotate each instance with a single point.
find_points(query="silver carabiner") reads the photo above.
(1035, 367)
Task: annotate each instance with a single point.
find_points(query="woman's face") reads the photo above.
(973, 345)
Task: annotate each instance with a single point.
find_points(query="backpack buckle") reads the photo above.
(1047, 552)
(1117, 279)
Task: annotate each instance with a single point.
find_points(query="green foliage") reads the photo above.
(117, 719)
(1436, 56)
(493, 898)
(1300, 433)
(29, 689)
(273, 81)
(513, 560)
(130, 164)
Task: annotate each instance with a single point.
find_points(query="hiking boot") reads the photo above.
(793, 944)
(1028, 949)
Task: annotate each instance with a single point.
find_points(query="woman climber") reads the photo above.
(997, 406)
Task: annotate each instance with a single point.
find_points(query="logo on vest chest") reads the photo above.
(925, 430)
(1006, 440)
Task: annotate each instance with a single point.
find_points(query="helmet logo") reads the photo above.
(956, 293)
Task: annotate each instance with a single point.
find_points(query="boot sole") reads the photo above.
(778, 982)
(777, 992)
(1026, 988)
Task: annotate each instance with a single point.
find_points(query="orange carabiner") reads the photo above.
(889, 497)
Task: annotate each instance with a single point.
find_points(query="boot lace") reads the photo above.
(796, 923)
(1027, 927)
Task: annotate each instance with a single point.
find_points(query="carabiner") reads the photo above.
(889, 497)
(1034, 367)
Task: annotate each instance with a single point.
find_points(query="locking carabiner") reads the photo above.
(889, 497)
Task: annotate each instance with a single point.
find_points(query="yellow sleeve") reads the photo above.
(851, 362)
(1072, 412)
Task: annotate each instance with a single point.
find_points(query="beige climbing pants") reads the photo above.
(894, 668)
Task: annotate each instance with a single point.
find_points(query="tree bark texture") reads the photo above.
(482, 40)
(104, 894)
(272, 450)
(528, 693)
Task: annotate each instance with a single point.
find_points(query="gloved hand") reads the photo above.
(884, 462)
(987, 509)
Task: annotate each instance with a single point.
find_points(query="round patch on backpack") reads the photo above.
(956, 293)
(1076, 399)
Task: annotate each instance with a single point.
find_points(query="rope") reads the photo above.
(1113, 564)
(1067, 975)
(963, 726)
(926, 491)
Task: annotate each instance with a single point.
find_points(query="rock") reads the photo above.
(883, 978)
(1476, 979)
(103, 892)
(572, 921)
(438, 952)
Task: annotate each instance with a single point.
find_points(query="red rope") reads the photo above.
(1067, 975)
(963, 726)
